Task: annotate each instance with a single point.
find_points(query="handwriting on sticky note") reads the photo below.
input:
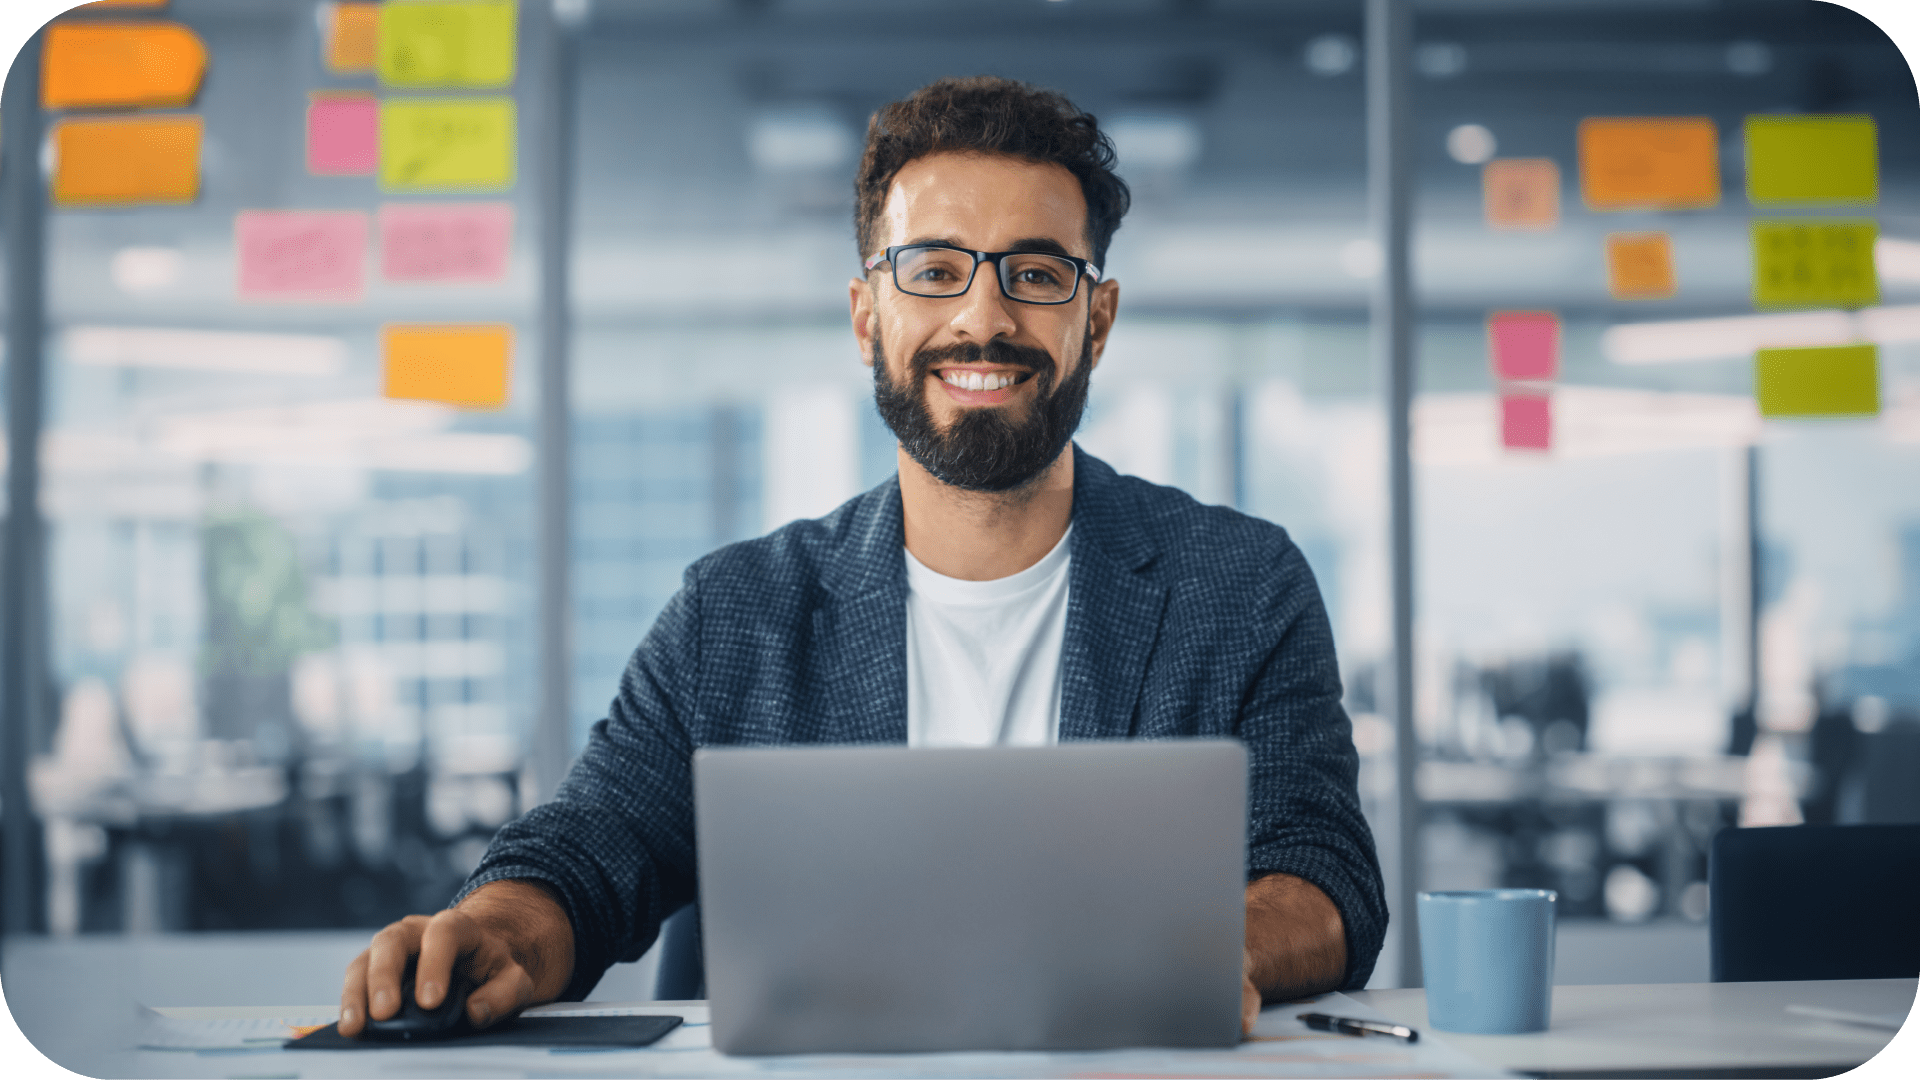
(1815, 263)
(1656, 163)
(343, 135)
(464, 365)
(1524, 346)
(1839, 380)
(1526, 421)
(352, 37)
(431, 144)
(1812, 161)
(466, 242)
(1521, 193)
(430, 43)
(126, 161)
(96, 65)
(301, 254)
(1640, 266)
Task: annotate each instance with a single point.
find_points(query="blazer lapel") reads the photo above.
(860, 633)
(1113, 611)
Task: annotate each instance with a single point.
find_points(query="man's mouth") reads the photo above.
(978, 379)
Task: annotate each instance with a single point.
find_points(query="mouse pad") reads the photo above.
(524, 1031)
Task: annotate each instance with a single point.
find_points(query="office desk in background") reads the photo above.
(79, 999)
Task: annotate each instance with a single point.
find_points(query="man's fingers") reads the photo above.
(353, 996)
(1249, 1006)
(447, 937)
(387, 962)
(508, 989)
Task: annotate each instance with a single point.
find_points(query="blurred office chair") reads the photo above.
(683, 967)
(1814, 902)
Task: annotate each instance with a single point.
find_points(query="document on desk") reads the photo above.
(161, 1032)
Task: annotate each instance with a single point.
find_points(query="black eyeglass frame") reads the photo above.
(892, 254)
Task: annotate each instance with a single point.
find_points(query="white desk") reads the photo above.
(1684, 1029)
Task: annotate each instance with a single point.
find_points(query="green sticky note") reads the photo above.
(1815, 263)
(1812, 161)
(446, 144)
(432, 43)
(1839, 380)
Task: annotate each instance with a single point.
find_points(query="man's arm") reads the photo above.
(1296, 944)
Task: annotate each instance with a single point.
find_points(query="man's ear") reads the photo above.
(860, 309)
(1102, 305)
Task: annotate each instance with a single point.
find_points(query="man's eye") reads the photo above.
(1034, 275)
(933, 273)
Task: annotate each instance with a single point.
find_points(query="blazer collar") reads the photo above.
(1113, 609)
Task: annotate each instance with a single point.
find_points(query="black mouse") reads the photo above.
(414, 1023)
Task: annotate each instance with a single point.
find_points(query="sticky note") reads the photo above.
(352, 38)
(126, 161)
(1839, 380)
(343, 135)
(439, 144)
(459, 365)
(1812, 161)
(301, 254)
(1526, 421)
(428, 43)
(451, 242)
(101, 65)
(1815, 263)
(1521, 193)
(1640, 266)
(1524, 345)
(1657, 163)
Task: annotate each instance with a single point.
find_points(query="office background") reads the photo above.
(294, 643)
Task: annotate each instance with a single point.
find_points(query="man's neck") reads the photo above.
(982, 536)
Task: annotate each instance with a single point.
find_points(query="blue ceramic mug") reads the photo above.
(1488, 959)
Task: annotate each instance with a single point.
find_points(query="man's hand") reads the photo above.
(510, 937)
(1296, 944)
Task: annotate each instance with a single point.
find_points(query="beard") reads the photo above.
(992, 449)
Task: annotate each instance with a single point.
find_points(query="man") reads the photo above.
(1005, 589)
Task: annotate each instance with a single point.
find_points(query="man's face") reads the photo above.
(927, 352)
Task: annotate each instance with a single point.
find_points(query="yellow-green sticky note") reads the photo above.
(1812, 161)
(1838, 380)
(446, 144)
(1815, 263)
(434, 43)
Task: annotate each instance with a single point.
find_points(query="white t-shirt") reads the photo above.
(983, 657)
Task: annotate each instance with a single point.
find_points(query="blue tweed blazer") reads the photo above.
(1183, 620)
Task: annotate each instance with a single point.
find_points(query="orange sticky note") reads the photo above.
(1661, 163)
(352, 38)
(463, 365)
(126, 161)
(1640, 266)
(96, 65)
(1521, 193)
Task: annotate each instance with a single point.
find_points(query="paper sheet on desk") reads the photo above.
(161, 1032)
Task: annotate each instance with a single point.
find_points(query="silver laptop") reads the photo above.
(1068, 897)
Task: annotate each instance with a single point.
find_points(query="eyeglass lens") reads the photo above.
(1031, 277)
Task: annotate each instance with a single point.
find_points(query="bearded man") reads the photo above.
(1005, 589)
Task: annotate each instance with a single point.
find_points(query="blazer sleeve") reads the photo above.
(615, 844)
(1304, 814)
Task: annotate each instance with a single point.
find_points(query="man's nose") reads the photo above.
(984, 312)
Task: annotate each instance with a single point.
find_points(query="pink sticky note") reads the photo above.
(301, 254)
(343, 135)
(1524, 345)
(1526, 421)
(445, 241)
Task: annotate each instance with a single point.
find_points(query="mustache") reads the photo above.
(998, 351)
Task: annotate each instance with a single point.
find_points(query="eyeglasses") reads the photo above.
(1031, 277)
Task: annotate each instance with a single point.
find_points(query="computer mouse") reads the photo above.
(415, 1023)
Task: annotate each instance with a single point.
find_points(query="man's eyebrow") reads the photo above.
(1044, 244)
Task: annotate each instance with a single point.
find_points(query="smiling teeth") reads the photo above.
(974, 380)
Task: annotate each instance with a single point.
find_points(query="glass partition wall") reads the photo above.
(294, 670)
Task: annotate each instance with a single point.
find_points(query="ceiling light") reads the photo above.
(1331, 54)
(799, 139)
(1471, 144)
(1440, 59)
(1154, 143)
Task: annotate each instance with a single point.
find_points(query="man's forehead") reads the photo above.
(984, 201)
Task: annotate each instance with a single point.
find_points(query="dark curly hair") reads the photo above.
(989, 115)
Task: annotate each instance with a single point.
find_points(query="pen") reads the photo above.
(1347, 1025)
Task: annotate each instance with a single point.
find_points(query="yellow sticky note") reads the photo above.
(126, 161)
(96, 65)
(1812, 161)
(1649, 163)
(1839, 380)
(440, 144)
(1640, 266)
(1815, 263)
(353, 38)
(432, 43)
(464, 365)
